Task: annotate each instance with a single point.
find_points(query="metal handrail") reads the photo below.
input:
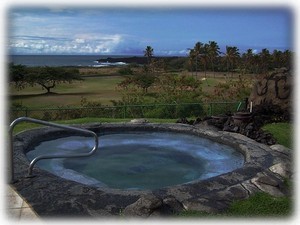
(36, 159)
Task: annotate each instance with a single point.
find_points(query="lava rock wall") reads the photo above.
(275, 89)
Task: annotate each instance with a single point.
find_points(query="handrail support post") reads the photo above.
(36, 159)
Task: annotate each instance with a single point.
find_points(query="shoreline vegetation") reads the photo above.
(136, 59)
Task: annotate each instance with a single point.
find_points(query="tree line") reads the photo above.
(208, 57)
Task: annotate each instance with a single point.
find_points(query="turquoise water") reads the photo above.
(139, 160)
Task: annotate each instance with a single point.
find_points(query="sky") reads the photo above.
(127, 31)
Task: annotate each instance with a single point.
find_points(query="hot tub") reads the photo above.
(174, 161)
(139, 160)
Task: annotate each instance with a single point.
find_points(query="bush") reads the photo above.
(189, 110)
(125, 71)
(161, 111)
(174, 111)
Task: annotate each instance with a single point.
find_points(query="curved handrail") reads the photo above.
(36, 159)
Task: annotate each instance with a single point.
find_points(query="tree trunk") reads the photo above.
(47, 87)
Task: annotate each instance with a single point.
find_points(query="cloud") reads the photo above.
(183, 52)
(79, 40)
(59, 31)
(82, 44)
(64, 31)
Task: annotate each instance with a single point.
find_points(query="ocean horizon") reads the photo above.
(65, 60)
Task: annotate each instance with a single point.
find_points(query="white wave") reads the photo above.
(105, 64)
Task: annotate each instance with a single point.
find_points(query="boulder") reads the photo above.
(143, 207)
(270, 185)
(171, 205)
(282, 169)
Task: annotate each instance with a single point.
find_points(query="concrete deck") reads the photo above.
(16, 208)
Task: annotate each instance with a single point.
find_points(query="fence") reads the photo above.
(129, 111)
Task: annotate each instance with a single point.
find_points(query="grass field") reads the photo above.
(94, 88)
(98, 85)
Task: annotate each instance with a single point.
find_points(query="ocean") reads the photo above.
(63, 60)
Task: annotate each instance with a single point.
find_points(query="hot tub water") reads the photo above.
(139, 160)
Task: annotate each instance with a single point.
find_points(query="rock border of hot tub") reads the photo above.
(265, 170)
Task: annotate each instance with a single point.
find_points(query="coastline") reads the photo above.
(82, 60)
(135, 59)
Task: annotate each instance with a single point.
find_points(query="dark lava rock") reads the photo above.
(143, 207)
(250, 127)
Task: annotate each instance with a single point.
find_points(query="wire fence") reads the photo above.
(164, 111)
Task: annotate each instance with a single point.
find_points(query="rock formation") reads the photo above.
(275, 89)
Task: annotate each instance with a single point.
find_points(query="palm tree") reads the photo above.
(204, 57)
(198, 51)
(287, 58)
(192, 57)
(265, 59)
(277, 59)
(194, 54)
(248, 60)
(198, 48)
(213, 52)
(148, 52)
(256, 64)
(231, 57)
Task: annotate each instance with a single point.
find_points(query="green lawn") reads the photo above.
(261, 205)
(282, 132)
(257, 206)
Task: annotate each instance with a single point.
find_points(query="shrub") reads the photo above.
(125, 71)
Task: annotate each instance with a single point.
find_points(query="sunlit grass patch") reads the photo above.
(282, 132)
